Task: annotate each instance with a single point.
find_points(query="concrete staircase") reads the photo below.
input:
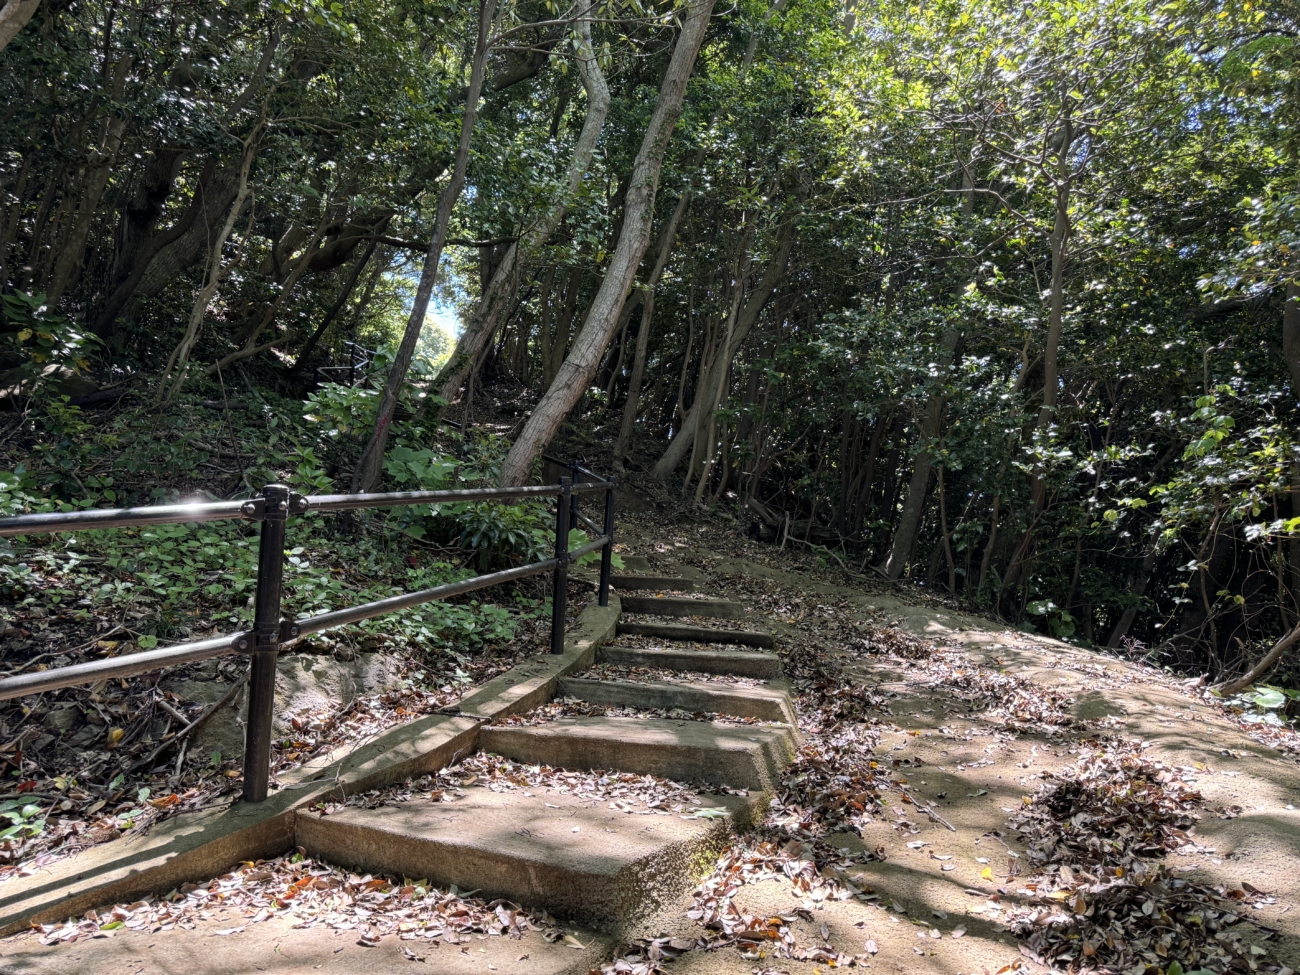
(587, 862)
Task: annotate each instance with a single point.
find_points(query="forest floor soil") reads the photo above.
(978, 761)
(969, 726)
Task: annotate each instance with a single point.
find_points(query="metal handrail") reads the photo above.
(158, 514)
(270, 631)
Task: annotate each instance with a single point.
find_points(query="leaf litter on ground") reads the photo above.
(310, 894)
(1102, 900)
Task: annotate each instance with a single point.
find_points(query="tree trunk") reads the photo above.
(504, 282)
(1291, 337)
(685, 436)
(987, 561)
(1269, 660)
(630, 409)
(710, 445)
(179, 361)
(14, 16)
(68, 264)
(910, 519)
(878, 430)
(1059, 243)
(633, 239)
(371, 462)
(1137, 586)
(345, 292)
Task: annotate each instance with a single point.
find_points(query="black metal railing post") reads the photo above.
(266, 642)
(574, 470)
(607, 554)
(561, 588)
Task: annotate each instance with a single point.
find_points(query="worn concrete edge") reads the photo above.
(699, 634)
(720, 697)
(194, 847)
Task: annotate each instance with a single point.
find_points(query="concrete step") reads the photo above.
(763, 703)
(587, 864)
(742, 757)
(684, 606)
(741, 663)
(697, 634)
(662, 583)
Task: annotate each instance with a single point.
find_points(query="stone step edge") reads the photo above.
(648, 582)
(762, 703)
(698, 634)
(740, 663)
(749, 757)
(553, 879)
(685, 606)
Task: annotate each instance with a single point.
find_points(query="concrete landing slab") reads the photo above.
(726, 609)
(584, 863)
(763, 703)
(741, 663)
(742, 757)
(699, 634)
(662, 583)
(276, 946)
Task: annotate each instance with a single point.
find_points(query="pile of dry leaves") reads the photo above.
(1095, 837)
(1112, 807)
(1015, 702)
(313, 894)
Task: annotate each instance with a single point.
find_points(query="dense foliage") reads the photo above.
(998, 297)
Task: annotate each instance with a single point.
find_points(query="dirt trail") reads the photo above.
(944, 894)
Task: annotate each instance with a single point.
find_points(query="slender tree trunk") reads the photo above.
(947, 544)
(878, 430)
(561, 328)
(630, 409)
(504, 282)
(1137, 586)
(345, 292)
(579, 368)
(910, 519)
(989, 548)
(710, 446)
(12, 215)
(67, 266)
(1291, 337)
(168, 386)
(371, 462)
(685, 436)
(1059, 244)
(14, 15)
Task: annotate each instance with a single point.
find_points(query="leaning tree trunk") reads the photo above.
(1266, 664)
(368, 468)
(580, 367)
(909, 521)
(169, 386)
(14, 15)
(667, 235)
(675, 453)
(501, 288)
